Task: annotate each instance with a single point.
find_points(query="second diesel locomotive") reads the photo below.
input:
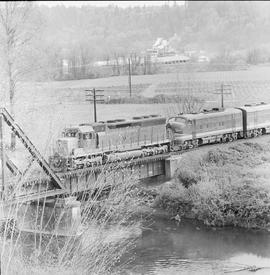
(117, 140)
(218, 125)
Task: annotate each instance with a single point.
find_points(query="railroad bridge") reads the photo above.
(22, 189)
(24, 192)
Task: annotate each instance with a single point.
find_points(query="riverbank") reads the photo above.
(220, 187)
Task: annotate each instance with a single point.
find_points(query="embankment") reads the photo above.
(227, 186)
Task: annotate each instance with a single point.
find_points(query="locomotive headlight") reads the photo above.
(57, 162)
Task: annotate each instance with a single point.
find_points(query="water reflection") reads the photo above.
(189, 248)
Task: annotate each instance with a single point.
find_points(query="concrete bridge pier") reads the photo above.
(60, 216)
(171, 165)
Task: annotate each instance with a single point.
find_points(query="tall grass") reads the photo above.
(107, 230)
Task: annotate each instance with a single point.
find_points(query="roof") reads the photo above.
(172, 58)
(81, 128)
(211, 114)
(256, 107)
(85, 129)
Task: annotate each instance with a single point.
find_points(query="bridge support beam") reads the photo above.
(56, 216)
(171, 165)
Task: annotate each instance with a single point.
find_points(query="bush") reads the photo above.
(220, 188)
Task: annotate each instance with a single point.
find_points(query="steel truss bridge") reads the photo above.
(54, 184)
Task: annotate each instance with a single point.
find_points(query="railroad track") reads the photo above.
(213, 145)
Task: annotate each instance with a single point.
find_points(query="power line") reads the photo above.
(223, 89)
(93, 98)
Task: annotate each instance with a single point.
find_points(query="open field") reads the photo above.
(255, 73)
(245, 86)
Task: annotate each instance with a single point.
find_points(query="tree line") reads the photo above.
(226, 30)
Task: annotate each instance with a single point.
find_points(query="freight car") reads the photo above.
(218, 125)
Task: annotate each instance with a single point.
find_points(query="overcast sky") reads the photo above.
(123, 4)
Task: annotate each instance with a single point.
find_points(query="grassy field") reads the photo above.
(251, 84)
(256, 73)
(247, 83)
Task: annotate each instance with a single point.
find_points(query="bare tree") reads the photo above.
(192, 104)
(189, 101)
(16, 33)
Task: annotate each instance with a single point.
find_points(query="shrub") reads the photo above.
(220, 188)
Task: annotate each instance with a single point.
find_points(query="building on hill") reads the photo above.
(173, 59)
(163, 53)
(197, 56)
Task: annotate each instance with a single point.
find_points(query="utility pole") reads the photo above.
(129, 77)
(94, 97)
(223, 91)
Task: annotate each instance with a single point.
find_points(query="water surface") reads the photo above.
(166, 247)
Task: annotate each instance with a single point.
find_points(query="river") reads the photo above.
(164, 246)
(167, 247)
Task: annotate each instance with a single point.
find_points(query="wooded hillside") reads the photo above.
(225, 30)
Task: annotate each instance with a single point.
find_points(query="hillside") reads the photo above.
(227, 31)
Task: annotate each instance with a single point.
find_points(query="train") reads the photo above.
(88, 145)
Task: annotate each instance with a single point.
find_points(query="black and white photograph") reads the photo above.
(134, 137)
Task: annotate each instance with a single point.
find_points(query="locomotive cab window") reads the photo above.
(171, 119)
(70, 134)
(86, 136)
(180, 119)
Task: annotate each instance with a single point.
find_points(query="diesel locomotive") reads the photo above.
(218, 125)
(87, 145)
